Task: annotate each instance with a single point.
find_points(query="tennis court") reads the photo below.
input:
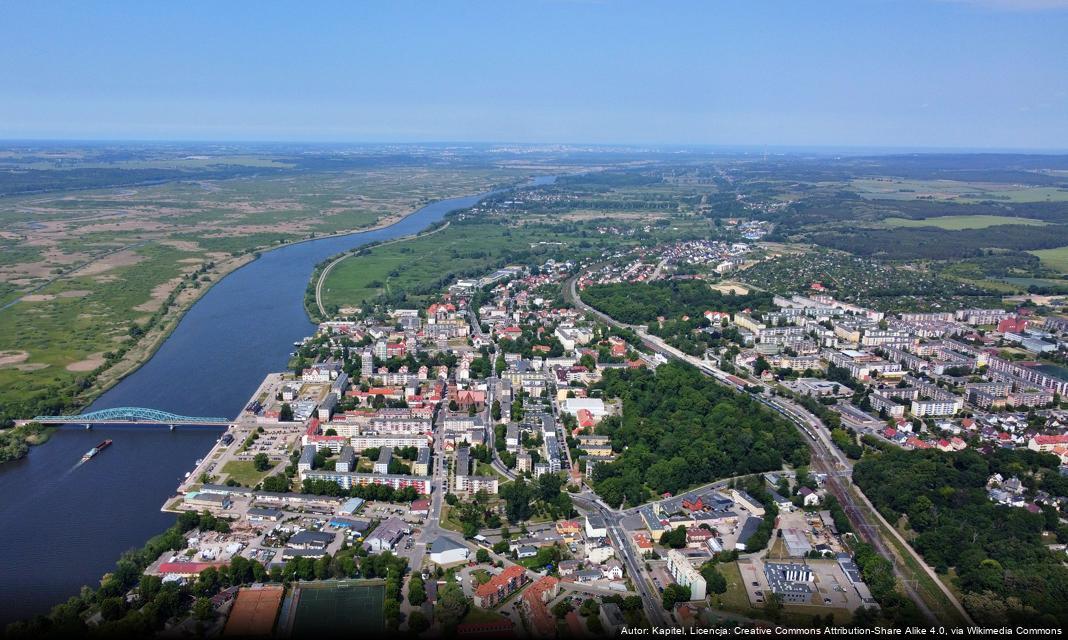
(333, 606)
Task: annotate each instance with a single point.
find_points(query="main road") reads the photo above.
(826, 458)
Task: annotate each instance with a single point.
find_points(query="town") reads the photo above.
(457, 453)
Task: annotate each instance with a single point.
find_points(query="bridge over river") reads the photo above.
(131, 415)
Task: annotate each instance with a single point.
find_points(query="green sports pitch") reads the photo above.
(326, 608)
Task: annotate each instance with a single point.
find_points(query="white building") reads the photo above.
(684, 573)
(594, 405)
(596, 526)
(444, 551)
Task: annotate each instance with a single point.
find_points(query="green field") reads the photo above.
(324, 607)
(956, 191)
(422, 266)
(244, 472)
(1056, 259)
(93, 269)
(957, 223)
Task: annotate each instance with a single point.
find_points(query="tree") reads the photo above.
(589, 607)
(417, 622)
(416, 590)
(773, 607)
(285, 414)
(673, 594)
(203, 609)
(675, 539)
(261, 462)
(495, 409)
(561, 609)
(549, 486)
(517, 496)
(278, 483)
(482, 555)
(714, 580)
(451, 607)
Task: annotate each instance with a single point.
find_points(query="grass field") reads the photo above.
(322, 608)
(87, 266)
(953, 190)
(423, 264)
(1056, 259)
(244, 472)
(957, 223)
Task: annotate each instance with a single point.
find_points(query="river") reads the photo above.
(64, 524)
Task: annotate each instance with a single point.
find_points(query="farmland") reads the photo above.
(1056, 259)
(956, 223)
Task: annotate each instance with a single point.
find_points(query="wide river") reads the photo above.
(64, 524)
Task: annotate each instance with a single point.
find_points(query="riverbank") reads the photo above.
(319, 276)
(237, 332)
(15, 442)
(133, 356)
(96, 322)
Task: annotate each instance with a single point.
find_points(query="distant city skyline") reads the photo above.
(880, 74)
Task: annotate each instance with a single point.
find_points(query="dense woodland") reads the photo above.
(680, 428)
(643, 303)
(932, 243)
(1003, 566)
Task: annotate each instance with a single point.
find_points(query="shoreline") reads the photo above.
(319, 276)
(170, 322)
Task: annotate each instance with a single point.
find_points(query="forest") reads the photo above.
(680, 428)
(932, 243)
(643, 303)
(1003, 568)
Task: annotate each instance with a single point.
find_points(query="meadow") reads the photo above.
(92, 281)
(1056, 259)
(422, 267)
(957, 223)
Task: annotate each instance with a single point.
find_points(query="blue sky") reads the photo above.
(896, 73)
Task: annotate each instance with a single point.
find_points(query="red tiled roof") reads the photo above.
(1051, 440)
(499, 581)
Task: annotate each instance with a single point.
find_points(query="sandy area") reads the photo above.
(727, 287)
(12, 357)
(44, 297)
(159, 294)
(124, 258)
(182, 245)
(90, 363)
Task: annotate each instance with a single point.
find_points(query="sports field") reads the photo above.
(325, 608)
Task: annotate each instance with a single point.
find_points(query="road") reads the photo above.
(826, 458)
(651, 599)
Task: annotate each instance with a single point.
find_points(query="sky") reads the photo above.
(976, 74)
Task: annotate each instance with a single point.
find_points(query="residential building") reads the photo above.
(685, 574)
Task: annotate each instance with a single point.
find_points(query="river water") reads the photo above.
(64, 524)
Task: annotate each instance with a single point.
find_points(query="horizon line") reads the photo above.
(636, 146)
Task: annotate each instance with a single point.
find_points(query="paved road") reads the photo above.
(826, 458)
(654, 612)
